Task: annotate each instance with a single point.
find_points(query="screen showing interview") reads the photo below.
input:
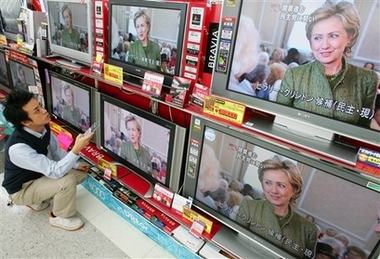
(313, 56)
(136, 140)
(290, 204)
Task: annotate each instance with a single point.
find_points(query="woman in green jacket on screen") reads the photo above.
(143, 51)
(329, 85)
(274, 218)
(132, 150)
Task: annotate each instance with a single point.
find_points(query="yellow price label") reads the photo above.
(224, 109)
(191, 215)
(56, 129)
(3, 39)
(103, 164)
(113, 73)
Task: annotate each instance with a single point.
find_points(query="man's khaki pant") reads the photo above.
(63, 191)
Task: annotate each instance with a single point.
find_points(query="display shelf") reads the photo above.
(97, 186)
(145, 226)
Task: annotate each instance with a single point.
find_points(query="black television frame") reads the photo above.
(175, 149)
(234, 237)
(134, 73)
(10, 18)
(91, 100)
(13, 65)
(7, 83)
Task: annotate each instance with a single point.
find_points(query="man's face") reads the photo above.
(38, 116)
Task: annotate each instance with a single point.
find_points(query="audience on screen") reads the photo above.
(274, 79)
(334, 243)
(165, 49)
(369, 65)
(293, 56)
(345, 241)
(324, 251)
(310, 218)
(277, 57)
(173, 58)
(354, 252)
(245, 59)
(263, 57)
(253, 82)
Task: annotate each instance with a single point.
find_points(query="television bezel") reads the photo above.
(7, 86)
(197, 129)
(176, 147)
(75, 56)
(11, 35)
(299, 117)
(50, 97)
(18, 63)
(136, 71)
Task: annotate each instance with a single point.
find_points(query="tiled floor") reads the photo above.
(27, 234)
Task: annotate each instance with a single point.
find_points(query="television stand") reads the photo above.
(241, 245)
(138, 184)
(306, 138)
(70, 64)
(303, 129)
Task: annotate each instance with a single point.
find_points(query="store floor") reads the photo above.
(27, 234)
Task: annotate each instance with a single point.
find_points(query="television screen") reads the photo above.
(264, 53)
(278, 197)
(22, 75)
(4, 71)
(147, 35)
(10, 11)
(70, 29)
(70, 101)
(147, 144)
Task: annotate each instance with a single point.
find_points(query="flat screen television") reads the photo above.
(161, 24)
(4, 70)
(71, 102)
(22, 75)
(10, 11)
(70, 30)
(147, 144)
(222, 175)
(274, 25)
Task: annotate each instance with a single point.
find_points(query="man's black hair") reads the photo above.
(13, 111)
